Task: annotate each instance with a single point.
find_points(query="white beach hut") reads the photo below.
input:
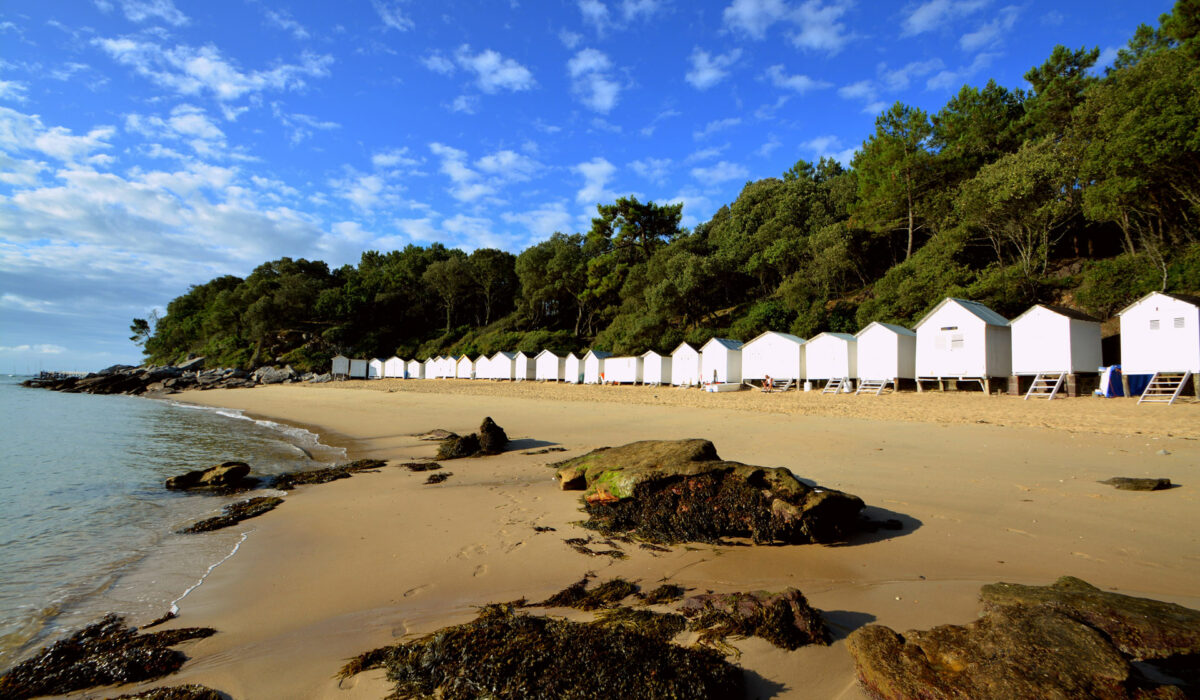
(886, 353)
(831, 356)
(572, 369)
(1161, 333)
(526, 370)
(721, 361)
(775, 355)
(481, 367)
(656, 369)
(623, 370)
(465, 368)
(431, 368)
(416, 369)
(1054, 340)
(962, 339)
(503, 365)
(341, 367)
(593, 366)
(393, 368)
(685, 366)
(549, 367)
(358, 369)
(375, 369)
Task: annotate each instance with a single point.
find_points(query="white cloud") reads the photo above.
(543, 221)
(720, 172)
(708, 70)
(595, 13)
(991, 32)
(465, 104)
(40, 349)
(142, 10)
(490, 174)
(715, 126)
(509, 165)
(596, 173)
(650, 128)
(494, 72)
(391, 14)
(895, 80)
(934, 14)
(797, 83)
(636, 9)
(889, 81)
(592, 82)
(770, 146)
(952, 79)
(13, 90)
(570, 39)
(395, 157)
(707, 153)
(190, 70)
(438, 63)
(466, 184)
(655, 170)
(282, 19)
(1106, 58)
(418, 229)
(302, 126)
(829, 146)
(754, 17)
(471, 232)
(58, 142)
(812, 24)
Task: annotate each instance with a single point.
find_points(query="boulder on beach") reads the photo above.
(223, 475)
(681, 490)
(490, 440)
(1130, 483)
(1068, 640)
(784, 619)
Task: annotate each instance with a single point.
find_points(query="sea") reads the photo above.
(86, 525)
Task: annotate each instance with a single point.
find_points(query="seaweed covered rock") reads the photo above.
(492, 438)
(235, 513)
(1131, 483)
(679, 490)
(105, 653)
(783, 619)
(458, 447)
(580, 597)
(191, 691)
(1033, 642)
(506, 655)
(223, 475)
(290, 480)
(1140, 627)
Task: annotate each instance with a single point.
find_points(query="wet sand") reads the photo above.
(988, 488)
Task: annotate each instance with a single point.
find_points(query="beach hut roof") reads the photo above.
(1185, 298)
(648, 353)
(1061, 311)
(795, 339)
(840, 336)
(571, 354)
(598, 354)
(681, 346)
(544, 352)
(900, 330)
(725, 342)
(505, 354)
(982, 312)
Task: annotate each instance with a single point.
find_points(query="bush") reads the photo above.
(1107, 286)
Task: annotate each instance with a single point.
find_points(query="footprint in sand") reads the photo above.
(513, 547)
(473, 550)
(1020, 532)
(400, 630)
(418, 590)
(1089, 557)
(480, 570)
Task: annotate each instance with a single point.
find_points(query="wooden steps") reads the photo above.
(1164, 387)
(1046, 385)
(835, 386)
(872, 386)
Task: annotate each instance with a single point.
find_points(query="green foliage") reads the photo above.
(1107, 286)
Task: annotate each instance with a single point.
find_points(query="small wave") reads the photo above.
(298, 437)
(175, 603)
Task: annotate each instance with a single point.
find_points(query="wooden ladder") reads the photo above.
(1164, 387)
(834, 386)
(871, 386)
(1046, 385)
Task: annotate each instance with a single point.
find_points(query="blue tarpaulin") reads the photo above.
(1111, 385)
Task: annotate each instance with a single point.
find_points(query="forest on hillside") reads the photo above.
(1082, 191)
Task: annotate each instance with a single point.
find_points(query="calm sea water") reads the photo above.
(86, 526)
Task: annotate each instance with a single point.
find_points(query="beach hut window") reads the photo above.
(956, 341)
(949, 328)
(1179, 321)
(1154, 324)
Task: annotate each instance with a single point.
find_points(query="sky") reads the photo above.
(150, 145)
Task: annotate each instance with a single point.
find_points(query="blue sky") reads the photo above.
(148, 145)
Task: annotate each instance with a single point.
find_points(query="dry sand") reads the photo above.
(988, 488)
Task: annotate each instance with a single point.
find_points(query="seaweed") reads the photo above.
(439, 477)
(289, 480)
(234, 513)
(421, 466)
(544, 451)
(580, 544)
(660, 626)
(104, 653)
(190, 691)
(502, 655)
(544, 528)
(783, 619)
(577, 595)
(666, 593)
(653, 547)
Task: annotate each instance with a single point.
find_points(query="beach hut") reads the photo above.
(593, 366)
(431, 368)
(375, 368)
(525, 367)
(886, 353)
(623, 370)
(549, 367)
(358, 369)
(721, 361)
(962, 339)
(464, 368)
(416, 369)
(572, 369)
(341, 367)
(393, 368)
(482, 367)
(1160, 335)
(1056, 342)
(831, 356)
(685, 366)
(656, 369)
(775, 355)
(503, 365)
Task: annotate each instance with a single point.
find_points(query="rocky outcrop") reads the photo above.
(783, 619)
(490, 440)
(176, 692)
(290, 480)
(235, 513)
(680, 490)
(124, 379)
(1068, 640)
(1130, 483)
(224, 475)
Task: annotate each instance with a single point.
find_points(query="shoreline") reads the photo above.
(358, 563)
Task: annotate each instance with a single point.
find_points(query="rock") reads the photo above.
(436, 435)
(290, 480)
(235, 513)
(115, 369)
(272, 375)
(192, 364)
(1068, 640)
(1129, 483)
(459, 446)
(1140, 627)
(492, 438)
(190, 691)
(680, 490)
(222, 475)
(321, 378)
(783, 619)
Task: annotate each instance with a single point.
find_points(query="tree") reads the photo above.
(893, 170)
(637, 227)
(143, 329)
(450, 280)
(1059, 85)
(494, 272)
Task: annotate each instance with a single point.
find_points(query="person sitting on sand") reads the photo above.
(768, 385)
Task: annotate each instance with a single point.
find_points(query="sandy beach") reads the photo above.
(989, 488)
